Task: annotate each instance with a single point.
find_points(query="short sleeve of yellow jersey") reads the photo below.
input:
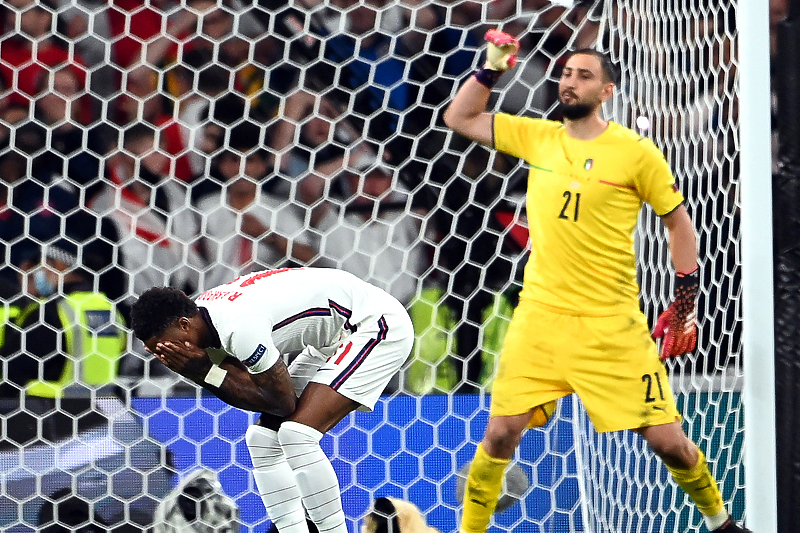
(655, 181)
(512, 134)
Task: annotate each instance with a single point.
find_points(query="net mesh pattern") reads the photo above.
(185, 143)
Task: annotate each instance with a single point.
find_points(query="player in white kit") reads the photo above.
(350, 339)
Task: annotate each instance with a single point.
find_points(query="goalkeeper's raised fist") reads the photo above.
(501, 54)
(677, 326)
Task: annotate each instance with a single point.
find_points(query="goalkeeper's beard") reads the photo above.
(575, 111)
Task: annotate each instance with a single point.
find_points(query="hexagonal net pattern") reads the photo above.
(186, 142)
(679, 70)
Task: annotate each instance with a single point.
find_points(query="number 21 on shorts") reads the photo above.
(648, 379)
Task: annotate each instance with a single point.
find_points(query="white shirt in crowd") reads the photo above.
(385, 251)
(155, 249)
(232, 253)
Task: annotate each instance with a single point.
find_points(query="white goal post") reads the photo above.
(757, 266)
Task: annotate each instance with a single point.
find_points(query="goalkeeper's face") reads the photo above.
(582, 88)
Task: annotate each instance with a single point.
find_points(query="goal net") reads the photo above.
(679, 88)
(186, 142)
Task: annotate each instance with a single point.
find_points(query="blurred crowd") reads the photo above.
(184, 143)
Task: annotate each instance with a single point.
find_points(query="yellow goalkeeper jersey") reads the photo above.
(583, 204)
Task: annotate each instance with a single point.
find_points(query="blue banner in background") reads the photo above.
(408, 447)
(412, 448)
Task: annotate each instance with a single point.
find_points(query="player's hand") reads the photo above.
(184, 358)
(501, 54)
(677, 326)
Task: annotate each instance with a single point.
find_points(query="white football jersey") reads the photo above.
(264, 315)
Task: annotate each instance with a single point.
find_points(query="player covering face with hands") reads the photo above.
(350, 339)
(578, 327)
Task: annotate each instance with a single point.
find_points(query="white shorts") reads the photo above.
(364, 361)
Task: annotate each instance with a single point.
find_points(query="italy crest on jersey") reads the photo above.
(587, 165)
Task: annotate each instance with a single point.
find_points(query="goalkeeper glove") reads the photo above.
(677, 326)
(501, 55)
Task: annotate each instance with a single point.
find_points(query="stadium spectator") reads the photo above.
(778, 11)
(131, 23)
(156, 224)
(205, 26)
(15, 303)
(555, 22)
(306, 130)
(244, 227)
(142, 101)
(312, 142)
(35, 210)
(445, 41)
(375, 233)
(228, 113)
(55, 360)
(352, 338)
(38, 206)
(87, 27)
(25, 55)
(368, 67)
(11, 116)
(74, 150)
(12, 220)
(200, 83)
(33, 194)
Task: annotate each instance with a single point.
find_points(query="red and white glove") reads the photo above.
(501, 54)
(677, 326)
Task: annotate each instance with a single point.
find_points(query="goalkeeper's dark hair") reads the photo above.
(610, 70)
(157, 309)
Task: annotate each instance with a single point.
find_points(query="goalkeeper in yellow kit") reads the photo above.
(578, 327)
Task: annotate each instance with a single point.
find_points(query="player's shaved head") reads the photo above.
(609, 70)
(157, 309)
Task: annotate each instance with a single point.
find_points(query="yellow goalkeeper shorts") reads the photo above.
(610, 362)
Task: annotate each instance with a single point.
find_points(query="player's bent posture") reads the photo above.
(351, 338)
(578, 327)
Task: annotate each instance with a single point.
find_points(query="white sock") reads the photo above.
(715, 521)
(275, 480)
(315, 476)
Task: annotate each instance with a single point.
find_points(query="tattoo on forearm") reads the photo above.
(275, 379)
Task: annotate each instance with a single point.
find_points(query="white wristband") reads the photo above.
(215, 376)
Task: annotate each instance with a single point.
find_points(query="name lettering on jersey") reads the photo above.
(252, 278)
(256, 355)
(210, 296)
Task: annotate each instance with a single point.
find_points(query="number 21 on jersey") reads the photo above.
(572, 204)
